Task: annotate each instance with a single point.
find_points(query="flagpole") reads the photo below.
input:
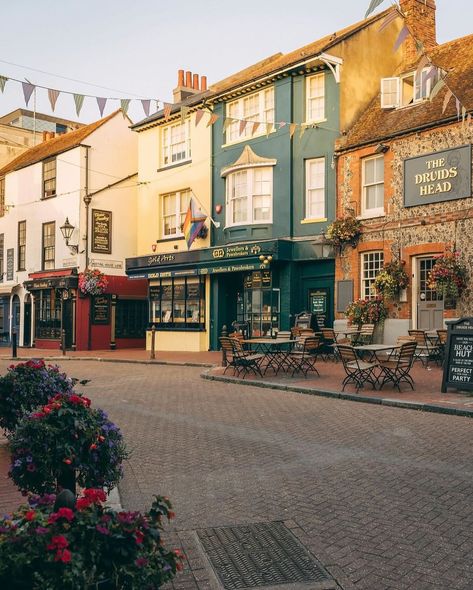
(216, 224)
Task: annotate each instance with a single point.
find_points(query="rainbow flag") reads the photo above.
(193, 222)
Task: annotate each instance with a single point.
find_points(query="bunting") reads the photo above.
(3, 81)
(228, 121)
(28, 89)
(198, 116)
(401, 38)
(79, 101)
(458, 105)
(436, 89)
(124, 104)
(292, 129)
(184, 113)
(446, 99)
(392, 16)
(269, 128)
(243, 124)
(213, 118)
(254, 128)
(146, 103)
(101, 102)
(53, 95)
(373, 5)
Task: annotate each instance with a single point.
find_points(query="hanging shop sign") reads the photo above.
(440, 176)
(101, 231)
(458, 364)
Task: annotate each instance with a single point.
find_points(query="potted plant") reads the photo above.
(86, 546)
(345, 230)
(448, 275)
(92, 282)
(66, 440)
(392, 279)
(367, 311)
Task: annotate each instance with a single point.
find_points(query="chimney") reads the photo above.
(420, 19)
(195, 81)
(203, 83)
(188, 85)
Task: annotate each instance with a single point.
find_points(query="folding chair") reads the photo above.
(327, 347)
(397, 370)
(426, 351)
(358, 372)
(365, 336)
(245, 361)
(304, 360)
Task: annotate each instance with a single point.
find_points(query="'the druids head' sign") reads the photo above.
(441, 176)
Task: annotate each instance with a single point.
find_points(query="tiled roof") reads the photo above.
(454, 57)
(57, 145)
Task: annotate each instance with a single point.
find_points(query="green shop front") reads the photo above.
(193, 295)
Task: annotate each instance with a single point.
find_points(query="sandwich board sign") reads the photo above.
(458, 363)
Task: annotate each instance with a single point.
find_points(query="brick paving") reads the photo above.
(380, 495)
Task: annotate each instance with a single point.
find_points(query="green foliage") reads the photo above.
(448, 275)
(346, 230)
(391, 279)
(68, 549)
(27, 385)
(66, 434)
(367, 311)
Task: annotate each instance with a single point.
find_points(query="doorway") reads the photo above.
(16, 311)
(429, 303)
(27, 322)
(67, 323)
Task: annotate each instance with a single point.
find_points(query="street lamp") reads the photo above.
(323, 247)
(67, 230)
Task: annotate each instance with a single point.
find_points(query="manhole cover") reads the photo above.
(261, 554)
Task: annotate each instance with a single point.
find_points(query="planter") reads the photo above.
(378, 333)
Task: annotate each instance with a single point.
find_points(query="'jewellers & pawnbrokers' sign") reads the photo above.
(441, 176)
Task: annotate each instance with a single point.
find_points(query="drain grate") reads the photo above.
(261, 554)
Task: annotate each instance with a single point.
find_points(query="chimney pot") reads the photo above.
(45, 135)
(180, 78)
(195, 81)
(203, 83)
(188, 83)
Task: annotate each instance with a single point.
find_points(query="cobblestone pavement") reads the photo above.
(380, 495)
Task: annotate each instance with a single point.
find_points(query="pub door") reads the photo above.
(67, 323)
(430, 305)
(27, 322)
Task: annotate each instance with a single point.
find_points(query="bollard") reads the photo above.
(224, 352)
(13, 344)
(63, 342)
(152, 355)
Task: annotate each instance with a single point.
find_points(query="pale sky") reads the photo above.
(134, 49)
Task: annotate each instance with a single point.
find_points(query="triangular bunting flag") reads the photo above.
(292, 129)
(146, 103)
(254, 129)
(401, 38)
(167, 110)
(458, 105)
(419, 46)
(53, 95)
(389, 19)
(227, 122)
(213, 118)
(437, 88)
(124, 104)
(282, 124)
(3, 81)
(184, 113)
(269, 128)
(302, 131)
(448, 96)
(468, 119)
(101, 102)
(431, 74)
(423, 62)
(373, 4)
(463, 116)
(242, 127)
(198, 116)
(79, 100)
(27, 91)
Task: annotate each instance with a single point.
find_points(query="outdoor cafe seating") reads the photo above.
(427, 347)
(242, 361)
(303, 361)
(396, 370)
(358, 372)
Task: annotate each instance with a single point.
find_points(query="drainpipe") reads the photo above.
(87, 200)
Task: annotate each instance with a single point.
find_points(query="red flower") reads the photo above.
(58, 542)
(30, 515)
(93, 446)
(67, 461)
(139, 536)
(63, 555)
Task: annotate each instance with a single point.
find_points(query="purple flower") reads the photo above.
(41, 530)
(102, 529)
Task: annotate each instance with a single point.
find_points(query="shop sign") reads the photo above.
(436, 177)
(101, 231)
(10, 263)
(97, 263)
(101, 309)
(458, 365)
(236, 251)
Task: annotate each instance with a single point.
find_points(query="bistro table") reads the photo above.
(373, 349)
(350, 333)
(274, 351)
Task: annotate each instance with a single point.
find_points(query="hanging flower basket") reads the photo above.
(92, 282)
(448, 275)
(343, 231)
(392, 279)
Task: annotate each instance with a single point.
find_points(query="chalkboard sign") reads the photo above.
(10, 264)
(100, 309)
(320, 319)
(458, 364)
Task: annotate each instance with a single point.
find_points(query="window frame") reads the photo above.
(250, 196)
(45, 262)
(48, 194)
(418, 95)
(166, 144)
(308, 111)
(131, 321)
(368, 275)
(179, 213)
(156, 298)
(374, 211)
(2, 257)
(307, 211)
(265, 114)
(21, 261)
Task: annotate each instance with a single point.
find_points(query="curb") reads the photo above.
(109, 360)
(340, 395)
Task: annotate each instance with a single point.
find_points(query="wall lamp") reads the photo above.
(323, 247)
(265, 259)
(67, 230)
(381, 148)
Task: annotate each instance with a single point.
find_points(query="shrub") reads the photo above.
(27, 385)
(66, 549)
(66, 436)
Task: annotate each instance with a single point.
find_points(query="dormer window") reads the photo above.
(407, 89)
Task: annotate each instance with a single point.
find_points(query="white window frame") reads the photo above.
(373, 211)
(319, 97)
(389, 95)
(179, 214)
(372, 264)
(310, 188)
(251, 195)
(167, 144)
(394, 97)
(240, 111)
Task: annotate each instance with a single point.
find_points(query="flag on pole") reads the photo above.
(193, 222)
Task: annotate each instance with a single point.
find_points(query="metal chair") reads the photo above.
(397, 370)
(358, 372)
(426, 350)
(242, 361)
(442, 343)
(304, 360)
(327, 347)
(365, 336)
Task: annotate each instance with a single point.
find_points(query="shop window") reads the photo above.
(178, 304)
(176, 143)
(371, 264)
(315, 189)
(258, 305)
(315, 98)
(49, 178)
(22, 245)
(2, 197)
(48, 314)
(49, 245)
(2, 257)
(254, 108)
(174, 208)
(373, 186)
(250, 196)
(131, 318)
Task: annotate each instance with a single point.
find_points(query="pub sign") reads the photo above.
(101, 231)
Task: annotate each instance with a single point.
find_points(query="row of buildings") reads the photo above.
(272, 155)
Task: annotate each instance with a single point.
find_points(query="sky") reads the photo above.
(133, 50)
